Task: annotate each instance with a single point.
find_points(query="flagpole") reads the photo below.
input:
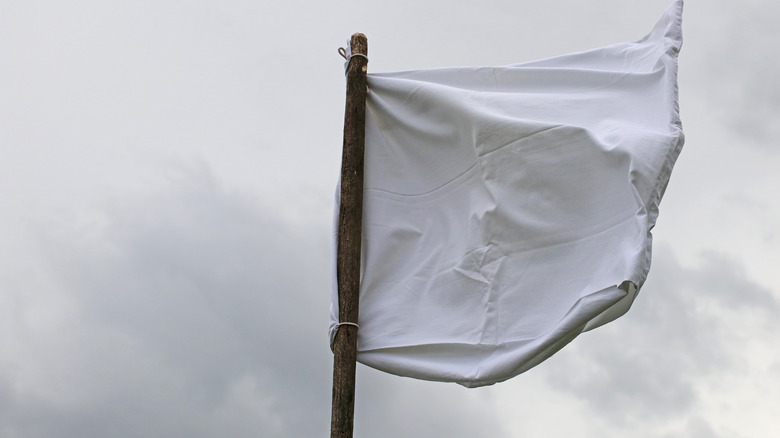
(349, 241)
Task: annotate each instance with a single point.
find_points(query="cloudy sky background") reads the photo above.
(167, 170)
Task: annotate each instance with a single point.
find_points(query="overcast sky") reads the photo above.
(167, 171)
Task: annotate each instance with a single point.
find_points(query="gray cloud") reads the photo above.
(687, 328)
(390, 406)
(195, 312)
(696, 428)
(733, 66)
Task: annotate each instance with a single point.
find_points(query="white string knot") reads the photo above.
(347, 54)
(335, 328)
(347, 323)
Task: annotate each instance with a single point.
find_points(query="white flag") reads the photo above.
(508, 209)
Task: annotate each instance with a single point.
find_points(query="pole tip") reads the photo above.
(359, 44)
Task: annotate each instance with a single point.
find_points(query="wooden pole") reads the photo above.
(349, 241)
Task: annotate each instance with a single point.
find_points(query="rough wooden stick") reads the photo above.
(349, 241)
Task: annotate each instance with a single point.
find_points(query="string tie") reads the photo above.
(335, 328)
(347, 54)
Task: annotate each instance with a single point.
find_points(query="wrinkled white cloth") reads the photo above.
(508, 209)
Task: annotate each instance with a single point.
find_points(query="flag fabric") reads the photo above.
(508, 209)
